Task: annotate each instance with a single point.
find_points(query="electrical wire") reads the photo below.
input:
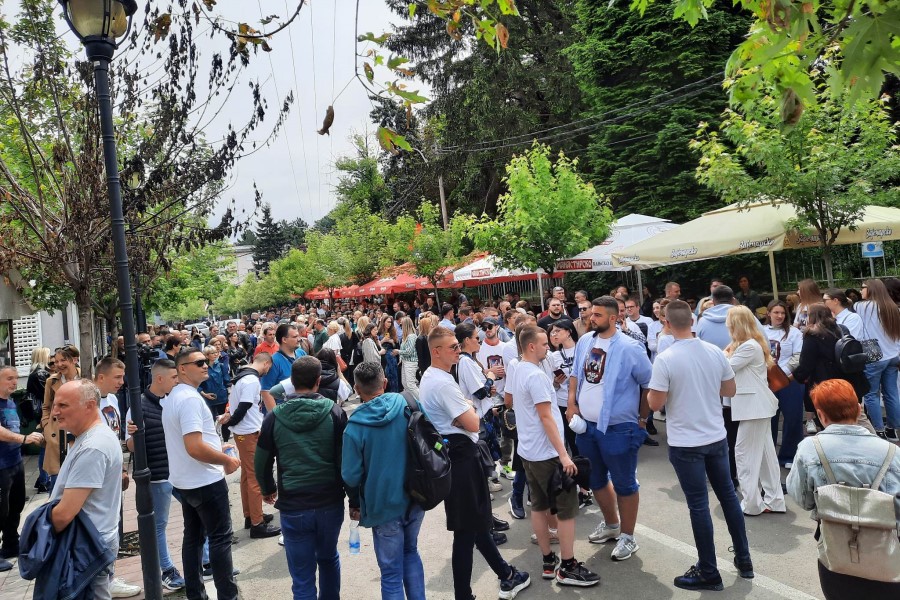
(312, 39)
(299, 115)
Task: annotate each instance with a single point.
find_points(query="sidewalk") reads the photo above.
(13, 587)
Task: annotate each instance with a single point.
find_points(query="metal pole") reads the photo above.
(872, 267)
(443, 201)
(141, 475)
(772, 272)
(640, 287)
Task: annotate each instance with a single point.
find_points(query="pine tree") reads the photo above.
(270, 244)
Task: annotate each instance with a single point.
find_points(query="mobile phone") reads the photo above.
(559, 373)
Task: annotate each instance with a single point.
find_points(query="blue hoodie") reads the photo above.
(373, 465)
(711, 326)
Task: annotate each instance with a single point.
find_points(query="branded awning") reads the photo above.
(622, 233)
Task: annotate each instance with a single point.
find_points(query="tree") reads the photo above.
(294, 232)
(270, 241)
(549, 213)
(838, 158)
(853, 43)
(54, 221)
(638, 77)
(431, 249)
(198, 277)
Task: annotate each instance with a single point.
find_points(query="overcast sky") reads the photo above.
(314, 58)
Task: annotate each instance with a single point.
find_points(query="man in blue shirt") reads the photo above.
(288, 338)
(447, 316)
(608, 389)
(12, 472)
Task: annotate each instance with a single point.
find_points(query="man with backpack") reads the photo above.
(373, 466)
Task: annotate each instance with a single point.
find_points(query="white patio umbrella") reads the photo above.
(622, 233)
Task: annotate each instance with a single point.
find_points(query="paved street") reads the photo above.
(782, 545)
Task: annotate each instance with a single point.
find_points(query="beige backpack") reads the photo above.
(858, 532)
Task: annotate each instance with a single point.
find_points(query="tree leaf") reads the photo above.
(502, 35)
(268, 19)
(370, 74)
(412, 10)
(161, 26)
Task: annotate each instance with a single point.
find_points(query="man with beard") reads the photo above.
(608, 390)
(555, 312)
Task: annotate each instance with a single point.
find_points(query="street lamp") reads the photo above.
(101, 25)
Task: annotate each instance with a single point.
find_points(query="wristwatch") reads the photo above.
(642, 420)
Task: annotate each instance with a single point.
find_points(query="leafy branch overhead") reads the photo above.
(853, 43)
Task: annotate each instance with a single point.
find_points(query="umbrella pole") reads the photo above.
(772, 271)
(540, 289)
(640, 287)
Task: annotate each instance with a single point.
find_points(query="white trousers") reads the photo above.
(757, 467)
(408, 376)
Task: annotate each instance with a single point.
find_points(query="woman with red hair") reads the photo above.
(855, 456)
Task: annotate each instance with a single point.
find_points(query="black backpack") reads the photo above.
(427, 459)
(848, 353)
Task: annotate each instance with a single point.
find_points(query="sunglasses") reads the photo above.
(584, 308)
(199, 363)
(487, 326)
(453, 347)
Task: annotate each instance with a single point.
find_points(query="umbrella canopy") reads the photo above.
(761, 227)
(484, 271)
(623, 233)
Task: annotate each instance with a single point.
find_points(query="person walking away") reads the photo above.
(305, 433)
(468, 507)
(409, 358)
(12, 469)
(543, 453)
(688, 379)
(163, 377)
(244, 419)
(349, 341)
(881, 328)
(90, 479)
(197, 469)
(373, 466)
(785, 344)
(753, 406)
(608, 390)
(855, 456)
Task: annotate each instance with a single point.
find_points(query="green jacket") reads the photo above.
(305, 435)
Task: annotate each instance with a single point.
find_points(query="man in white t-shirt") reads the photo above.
(468, 506)
(543, 452)
(689, 378)
(109, 376)
(244, 418)
(197, 469)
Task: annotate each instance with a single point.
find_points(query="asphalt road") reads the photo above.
(782, 547)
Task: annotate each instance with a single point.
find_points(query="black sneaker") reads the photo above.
(208, 574)
(518, 581)
(651, 428)
(499, 538)
(266, 519)
(891, 434)
(695, 580)
(5, 565)
(550, 566)
(881, 434)
(577, 575)
(744, 567)
(516, 510)
(649, 441)
(264, 530)
(584, 500)
(500, 524)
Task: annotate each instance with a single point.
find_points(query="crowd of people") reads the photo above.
(559, 401)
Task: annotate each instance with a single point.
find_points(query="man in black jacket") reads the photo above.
(163, 378)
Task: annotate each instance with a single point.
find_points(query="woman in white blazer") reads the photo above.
(753, 405)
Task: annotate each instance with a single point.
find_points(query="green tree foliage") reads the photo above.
(839, 158)
(198, 277)
(270, 242)
(856, 41)
(549, 213)
(481, 95)
(638, 77)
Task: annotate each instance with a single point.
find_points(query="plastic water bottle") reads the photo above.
(354, 537)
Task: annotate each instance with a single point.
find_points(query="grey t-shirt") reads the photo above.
(95, 461)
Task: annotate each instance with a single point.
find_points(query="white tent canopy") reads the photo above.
(622, 233)
(485, 270)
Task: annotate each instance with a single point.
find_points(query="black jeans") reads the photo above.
(464, 543)
(206, 513)
(12, 501)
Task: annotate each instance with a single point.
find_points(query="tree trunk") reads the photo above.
(826, 257)
(85, 331)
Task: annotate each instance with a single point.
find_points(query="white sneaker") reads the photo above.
(625, 547)
(811, 427)
(281, 540)
(494, 486)
(508, 473)
(554, 537)
(604, 534)
(119, 589)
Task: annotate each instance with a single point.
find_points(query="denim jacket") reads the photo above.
(621, 395)
(855, 456)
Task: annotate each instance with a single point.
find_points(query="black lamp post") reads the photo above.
(101, 25)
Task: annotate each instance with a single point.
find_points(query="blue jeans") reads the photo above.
(882, 377)
(207, 513)
(398, 556)
(693, 466)
(790, 404)
(43, 476)
(161, 491)
(310, 540)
